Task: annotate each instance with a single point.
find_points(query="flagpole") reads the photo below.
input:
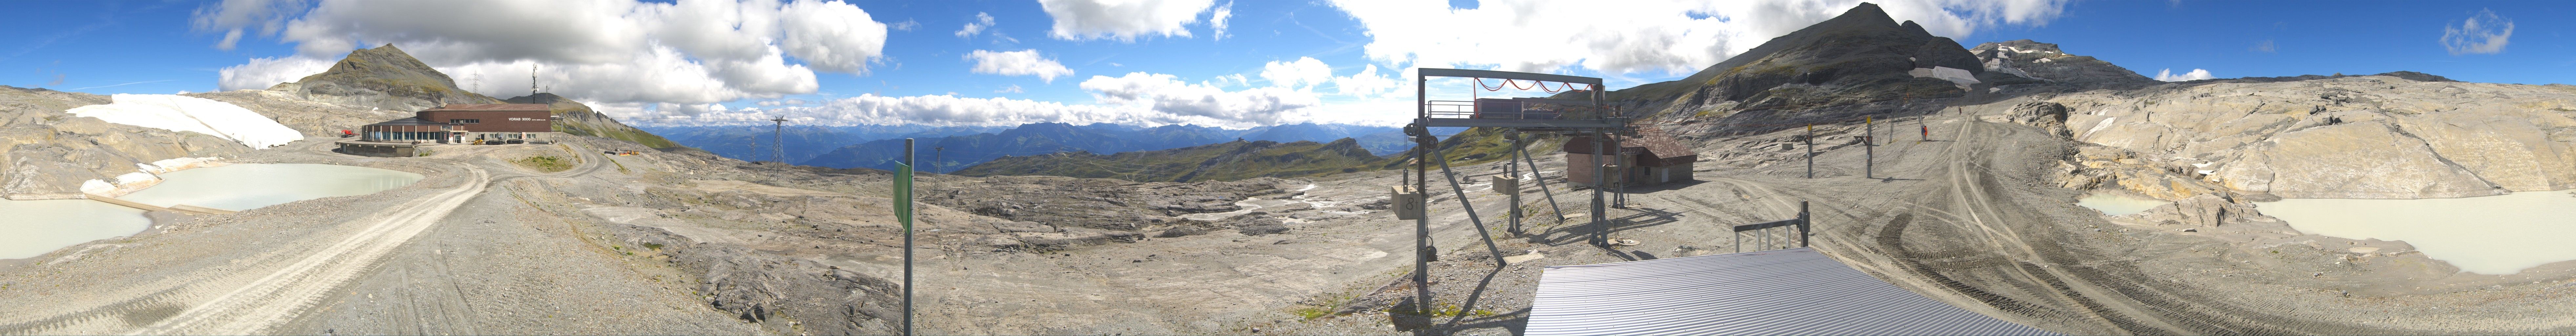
(905, 191)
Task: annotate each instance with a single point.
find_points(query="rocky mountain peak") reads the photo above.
(2046, 62)
(1861, 56)
(383, 77)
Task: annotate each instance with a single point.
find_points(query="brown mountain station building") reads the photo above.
(452, 124)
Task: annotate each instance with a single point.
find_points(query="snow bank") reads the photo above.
(178, 164)
(1945, 73)
(192, 114)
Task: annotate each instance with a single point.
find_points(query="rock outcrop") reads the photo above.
(2044, 61)
(1861, 56)
(2045, 115)
(46, 152)
(2350, 137)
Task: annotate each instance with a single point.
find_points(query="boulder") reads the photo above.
(2045, 115)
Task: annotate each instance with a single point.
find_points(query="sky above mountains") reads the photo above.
(1217, 63)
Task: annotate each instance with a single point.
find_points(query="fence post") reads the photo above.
(1803, 222)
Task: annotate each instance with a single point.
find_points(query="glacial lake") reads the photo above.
(37, 227)
(40, 226)
(2495, 235)
(2115, 204)
(252, 185)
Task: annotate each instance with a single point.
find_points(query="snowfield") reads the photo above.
(192, 114)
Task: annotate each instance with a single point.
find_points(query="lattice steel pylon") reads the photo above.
(778, 137)
(1519, 115)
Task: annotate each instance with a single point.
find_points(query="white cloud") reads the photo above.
(1014, 88)
(906, 25)
(1233, 80)
(1145, 99)
(1167, 94)
(832, 36)
(1366, 83)
(609, 51)
(1017, 63)
(232, 16)
(2483, 33)
(1304, 72)
(1638, 36)
(2195, 74)
(982, 21)
(1216, 22)
(1123, 20)
(261, 73)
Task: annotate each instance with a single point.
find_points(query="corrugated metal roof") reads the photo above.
(1779, 292)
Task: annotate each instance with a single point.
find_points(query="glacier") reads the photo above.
(192, 114)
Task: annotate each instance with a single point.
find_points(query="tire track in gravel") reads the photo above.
(241, 304)
(256, 306)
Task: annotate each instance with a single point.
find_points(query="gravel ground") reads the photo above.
(684, 243)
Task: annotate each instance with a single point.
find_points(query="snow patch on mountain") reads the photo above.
(192, 114)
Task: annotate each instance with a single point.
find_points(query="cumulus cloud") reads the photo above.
(906, 25)
(2482, 33)
(1123, 20)
(1014, 88)
(1367, 82)
(233, 16)
(1304, 72)
(1216, 22)
(1017, 63)
(609, 51)
(2195, 74)
(261, 73)
(982, 21)
(1167, 95)
(1669, 36)
(1140, 98)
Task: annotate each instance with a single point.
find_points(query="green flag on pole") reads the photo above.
(903, 195)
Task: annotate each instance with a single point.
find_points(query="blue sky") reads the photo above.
(1167, 62)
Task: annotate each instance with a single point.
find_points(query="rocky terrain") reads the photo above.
(1978, 214)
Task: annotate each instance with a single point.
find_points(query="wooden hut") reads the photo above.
(1640, 161)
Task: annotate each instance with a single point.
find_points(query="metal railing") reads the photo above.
(1510, 110)
(1769, 238)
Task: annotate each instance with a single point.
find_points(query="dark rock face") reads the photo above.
(1861, 56)
(2045, 62)
(384, 77)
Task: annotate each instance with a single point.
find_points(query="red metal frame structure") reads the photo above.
(1520, 115)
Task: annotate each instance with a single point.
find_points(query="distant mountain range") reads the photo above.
(1232, 160)
(956, 147)
(804, 142)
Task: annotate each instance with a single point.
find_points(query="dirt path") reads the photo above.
(256, 306)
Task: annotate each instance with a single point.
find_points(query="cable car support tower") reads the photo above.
(1520, 116)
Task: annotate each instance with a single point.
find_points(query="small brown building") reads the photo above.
(1641, 161)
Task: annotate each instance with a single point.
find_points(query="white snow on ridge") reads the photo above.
(1945, 73)
(192, 114)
